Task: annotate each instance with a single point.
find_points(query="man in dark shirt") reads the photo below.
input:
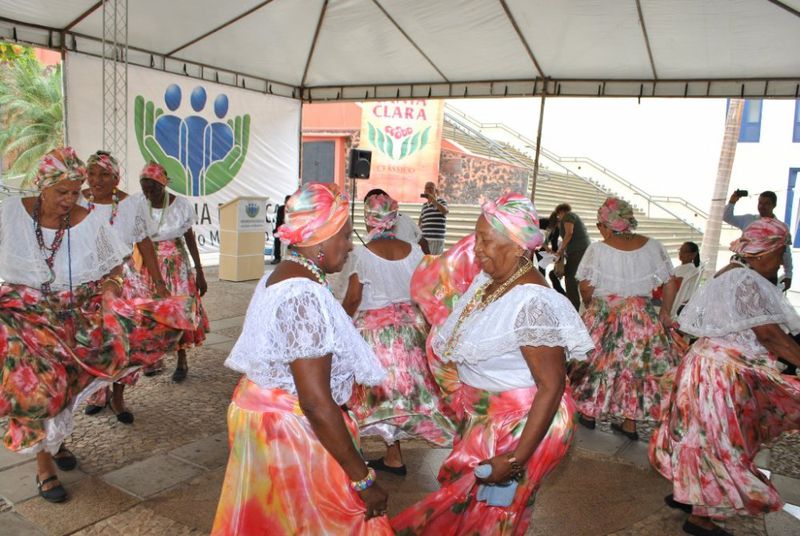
(550, 227)
(279, 218)
(574, 241)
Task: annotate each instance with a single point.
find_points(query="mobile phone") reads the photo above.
(423, 196)
(742, 193)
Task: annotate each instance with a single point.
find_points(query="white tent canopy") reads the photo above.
(367, 49)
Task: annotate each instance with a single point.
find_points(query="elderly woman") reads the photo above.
(729, 398)
(406, 405)
(294, 466)
(170, 222)
(632, 347)
(509, 336)
(60, 324)
(127, 216)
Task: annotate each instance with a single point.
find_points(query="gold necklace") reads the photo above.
(478, 303)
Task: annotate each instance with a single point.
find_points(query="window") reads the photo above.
(796, 131)
(319, 161)
(751, 122)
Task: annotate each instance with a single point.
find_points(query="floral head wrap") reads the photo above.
(60, 164)
(314, 213)
(380, 213)
(617, 215)
(156, 172)
(515, 216)
(761, 236)
(105, 161)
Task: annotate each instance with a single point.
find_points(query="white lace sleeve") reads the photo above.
(358, 265)
(141, 222)
(737, 300)
(588, 266)
(302, 329)
(549, 319)
(528, 315)
(109, 251)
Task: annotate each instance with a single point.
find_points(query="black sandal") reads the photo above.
(180, 374)
(633, 436)
(124, 416)
(587, 422)
(65, 460)
(56, 494)
(697, 530)
(153, 372)
(92, 409)
(379, 465)
(672, 503)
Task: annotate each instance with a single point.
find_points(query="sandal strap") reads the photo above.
(47, 480)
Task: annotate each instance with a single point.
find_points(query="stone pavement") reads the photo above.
(162, 475)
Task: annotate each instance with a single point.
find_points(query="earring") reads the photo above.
(320, 255)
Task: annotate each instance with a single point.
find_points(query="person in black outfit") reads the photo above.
(550, 226)
(279, 216)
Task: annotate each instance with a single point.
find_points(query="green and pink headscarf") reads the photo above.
(761, 236)
(156, 172)
(514, 215)
(60, 164)
(380, 214)
(617, 215)
(314, 213)
(105, 161)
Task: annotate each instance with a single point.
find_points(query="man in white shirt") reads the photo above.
(767, 201)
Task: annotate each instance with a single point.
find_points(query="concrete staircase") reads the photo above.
(556, 188)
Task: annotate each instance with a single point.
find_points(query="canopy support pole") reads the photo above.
(538, 144)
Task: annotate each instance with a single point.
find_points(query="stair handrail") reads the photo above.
(559, 159)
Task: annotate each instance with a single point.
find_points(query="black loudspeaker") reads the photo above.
(360, 161)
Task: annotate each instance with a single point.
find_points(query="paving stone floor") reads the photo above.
(162, 475)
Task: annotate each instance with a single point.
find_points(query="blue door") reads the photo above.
(792, 216)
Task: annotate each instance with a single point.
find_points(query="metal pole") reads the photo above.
(538, 144)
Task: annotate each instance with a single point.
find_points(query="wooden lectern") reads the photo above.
(242, 228)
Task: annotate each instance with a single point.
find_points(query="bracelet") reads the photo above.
(515, 465)
(364, 483)
(117, 280)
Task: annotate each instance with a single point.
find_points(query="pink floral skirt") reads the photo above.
(488, 424)
(280, 479)
(724, 406)
(407, 403)
(633, 351)
(53, 346)
(180, 281)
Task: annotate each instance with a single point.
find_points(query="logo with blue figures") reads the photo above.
(201, 154)
(251, 209)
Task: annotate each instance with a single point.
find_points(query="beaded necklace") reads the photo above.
(311, 266)
(54, 246)
(164, 208)
(478, 303)
(114, 205)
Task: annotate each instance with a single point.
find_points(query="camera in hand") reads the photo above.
(742, 193)
(424, 196)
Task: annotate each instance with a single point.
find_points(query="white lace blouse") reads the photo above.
(89, 251)
(487, 351)
(385, 282)
(178, 219)
(130, 223)
(300, 319)
(733, 303)
(625, 273)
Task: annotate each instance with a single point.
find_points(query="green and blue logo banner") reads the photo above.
(216, 142)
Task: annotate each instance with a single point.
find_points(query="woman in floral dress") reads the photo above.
(294, 466)
(63, 330)
(633, 349)
(729, 398)
(170, 221)
(509, 335)
(127, 216)
(407, 404)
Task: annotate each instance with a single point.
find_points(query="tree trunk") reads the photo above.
(733, 122)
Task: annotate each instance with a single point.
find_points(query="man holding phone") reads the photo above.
(767, 201)
(433, 219)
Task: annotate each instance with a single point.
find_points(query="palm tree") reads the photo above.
(31, 115)
(730, 139)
